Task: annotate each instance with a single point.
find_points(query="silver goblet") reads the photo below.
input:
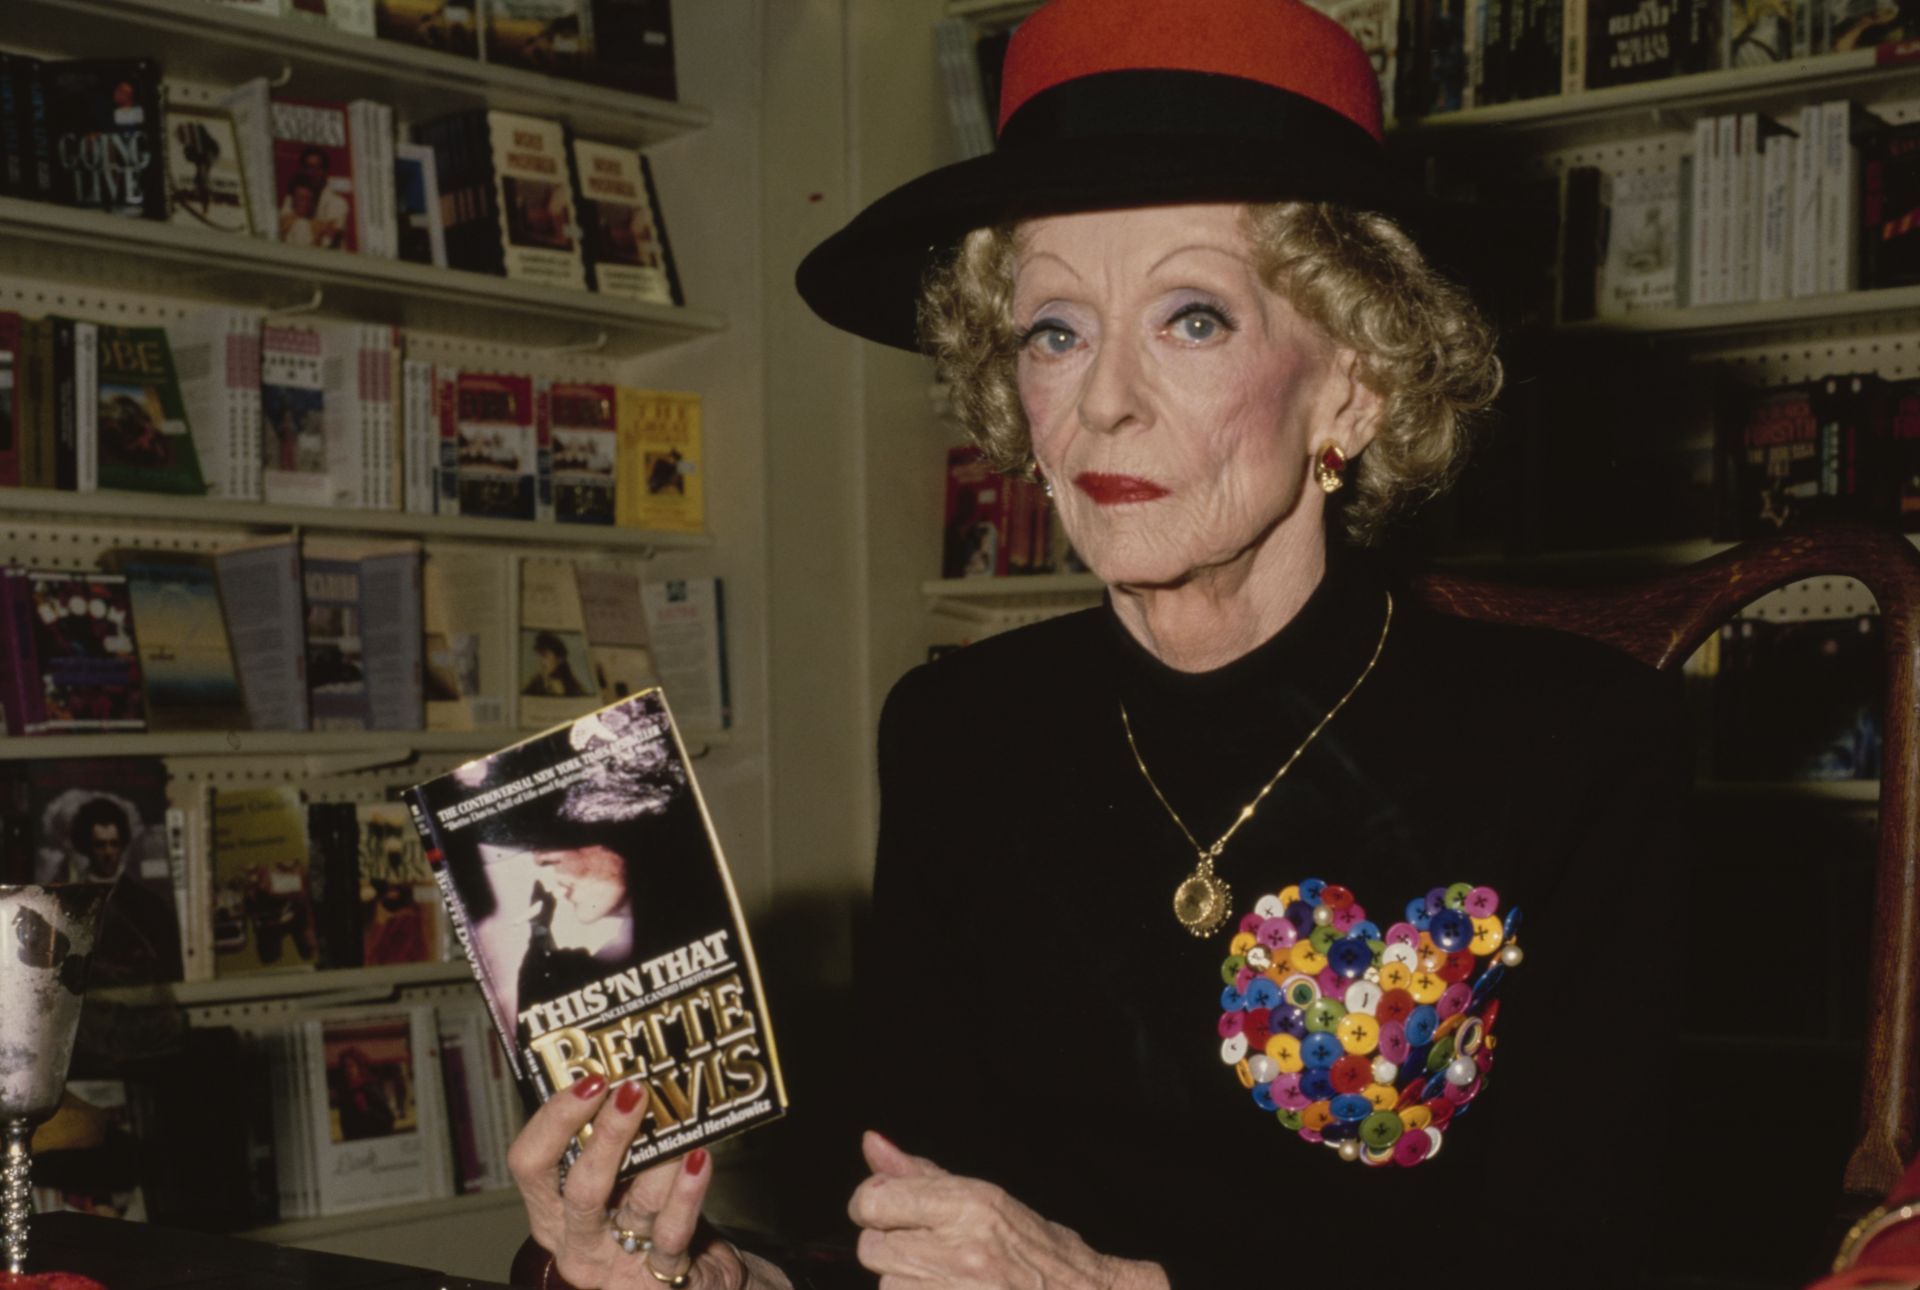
(46, 946)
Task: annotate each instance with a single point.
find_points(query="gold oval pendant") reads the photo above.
(1202, 902)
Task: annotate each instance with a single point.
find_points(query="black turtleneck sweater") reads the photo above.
(1049, 1026)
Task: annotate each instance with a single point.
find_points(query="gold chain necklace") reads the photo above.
(1203, 901)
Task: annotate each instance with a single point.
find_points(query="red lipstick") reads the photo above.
(1114, 490)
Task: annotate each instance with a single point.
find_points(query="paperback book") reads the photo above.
(262, 911)
(498, 434)
(450, 26)
(620, 223)
(313, 166)
(586, 886)
(104, 119)
(585, 451)
(186, 660)
(660, 485)
(206, 175)
(469, 626)
(549, 36)
(556, 678)
(399, 906)
(363, 635)
(145, 443)
(69, 654)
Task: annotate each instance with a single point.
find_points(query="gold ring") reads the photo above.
(631, 1241)
(675, 1281)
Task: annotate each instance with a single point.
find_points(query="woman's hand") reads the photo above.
(582, 1225)
(922, 1226)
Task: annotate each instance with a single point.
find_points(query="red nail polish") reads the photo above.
(627, 1096)
(589, 1088)
(696, 1160)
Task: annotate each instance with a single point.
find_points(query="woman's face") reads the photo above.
(1175, 402)
(592, 879)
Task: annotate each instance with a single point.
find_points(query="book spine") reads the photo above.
(1705, 142)
(1776, 239)
(1573, 47)
(1806, 205)
(1839, 197)
(447, 409)
(65, 407)
(456, 907)
(1727, 212)
(37, 131)
(240, 384)
(543, 453)
(421, 435)
(1748, 195)
(12, 395)
(86, 406)
(21, 693)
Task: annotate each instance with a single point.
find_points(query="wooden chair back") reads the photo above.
(1661, 620)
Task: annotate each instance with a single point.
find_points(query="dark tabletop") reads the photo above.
(123, 1255)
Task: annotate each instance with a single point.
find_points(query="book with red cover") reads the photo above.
(71, 654)
(313, 174)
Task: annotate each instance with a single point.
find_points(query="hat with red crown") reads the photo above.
(1117, 103)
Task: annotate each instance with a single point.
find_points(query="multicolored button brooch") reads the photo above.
(1372, 1042)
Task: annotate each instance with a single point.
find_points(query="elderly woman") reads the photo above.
(1198, 958)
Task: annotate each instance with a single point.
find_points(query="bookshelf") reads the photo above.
(59, 260)
(92, 248)
(206, 41)
(118, 507)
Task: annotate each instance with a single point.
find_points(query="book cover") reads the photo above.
(15, 72)
(581, 416)
(82, 645)
(1629, 41)
(531, 166)
(616, 619)
(399, 905)
(145, 443)
(1904, 452)
(363, 635)
(469, 625)
(206, 175)
(262, 912)
(553, 37)
(555, 675)
(633, 46)
(104, 820)
(587, 888)
(216, 355)
(269, 638)
(251, 105)
(467, 1049)
(1760, 32)
(1641, 268)
(450, 26)
(498, 440)
(186, 660)
(625, 237)
(974, 537)
(1769, 459)
(294, 433)
(416, 184)
(659, 462)
(375, 1123)
(313, 174)
(469, 196)
(36, 129)
(687, 632)
(1890, 208)
(104, 118)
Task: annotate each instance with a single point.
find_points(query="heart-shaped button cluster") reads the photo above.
(1372, 1042)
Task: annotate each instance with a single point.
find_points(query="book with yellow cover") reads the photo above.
(659, 482)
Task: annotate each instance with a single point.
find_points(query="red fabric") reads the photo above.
(47, 1281)
(1282, 43)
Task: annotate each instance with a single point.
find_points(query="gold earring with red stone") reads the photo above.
(1329, 469)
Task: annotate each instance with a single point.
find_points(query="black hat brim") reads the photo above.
(867, 277)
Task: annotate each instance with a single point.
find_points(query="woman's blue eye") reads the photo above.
(1051, 337)
(1197, 323)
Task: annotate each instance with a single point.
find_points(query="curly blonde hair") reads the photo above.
(1356, 276)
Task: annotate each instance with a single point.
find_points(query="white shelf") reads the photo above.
(300, 1230)
(339, 747)
(1867, 76)
(108, 505)
(204, 41)
(289, 985)
(1884, 305)
(41, 240)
